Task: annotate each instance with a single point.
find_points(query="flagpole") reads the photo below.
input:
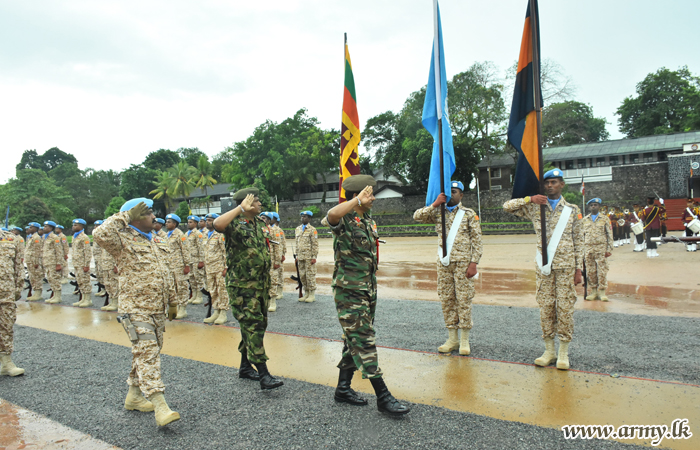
(438, 100)
(534, 26)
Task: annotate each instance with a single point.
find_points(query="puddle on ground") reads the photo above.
(411, 281)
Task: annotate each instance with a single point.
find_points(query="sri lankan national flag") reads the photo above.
(522, 128)
(350, 128)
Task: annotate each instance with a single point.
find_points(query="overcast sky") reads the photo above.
(111, 81)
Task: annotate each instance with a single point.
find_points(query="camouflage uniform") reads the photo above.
(455, 290)
(598, 240)
(307, 249)
(556, 293)
(179, 258)
(11, 283)
(33, 257)
(283, 251)
(355, 291)
(248, 282)
(195, 247)
(276, 259)
(97, 256)
(215, 264)
(144, 293)
(66, 249)
(53, 255)
(81, 258)
(110, 279)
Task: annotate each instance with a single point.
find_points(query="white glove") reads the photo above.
(661, 200)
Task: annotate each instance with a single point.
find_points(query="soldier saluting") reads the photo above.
(145, 297)
(248, 281)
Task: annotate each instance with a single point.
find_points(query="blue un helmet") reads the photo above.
(174, 217)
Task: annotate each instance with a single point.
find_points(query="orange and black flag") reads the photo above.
(522, 128)
(350, 128)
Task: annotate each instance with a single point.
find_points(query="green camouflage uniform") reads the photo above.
(248, 282)
(355, 291)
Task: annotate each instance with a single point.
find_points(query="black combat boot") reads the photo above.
(266, 380)
(386, 402)
(246, 370)
(344, 393)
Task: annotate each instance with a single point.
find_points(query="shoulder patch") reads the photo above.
(315, 232)
(183, 238)
(58, 241)
(579, 216)
(476, 216)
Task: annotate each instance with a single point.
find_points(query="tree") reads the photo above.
(32, 209)
(114, 206)
(570, 123)
(203, 178)
(161, 160)
(263, 195)
(137, 181)
(183, 210)
(30, 160)
(163, 188)
(667, 102)
(51, 159)
(19, 192)
(181, 180)
(191, 155)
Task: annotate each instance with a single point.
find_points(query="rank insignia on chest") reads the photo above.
(183, 238)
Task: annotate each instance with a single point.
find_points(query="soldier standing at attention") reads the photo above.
(651, 215)
(597, 248)
(110, 278)
(464, 249)
(202, 225)
(279, 234)
(158, 228)
(97, 256)
(146, 297)
(355, 293)
(215, 266)
(81, 262)
(66, 249)
(33, 258)
(11, 285)
(180, 261)
(556, 292)
(306, 238)
(248, 281)
(275, 258)
(53, 260)
(195, 246)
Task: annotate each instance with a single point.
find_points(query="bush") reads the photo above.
(183, 210)
(114, 205)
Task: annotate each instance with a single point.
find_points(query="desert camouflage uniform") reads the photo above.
(195, 247)
(275, 258)
(355, 291)
(248, 282)
(81, 258)
(215, 264)
(283, 251)
(455, 290)
(97, 256)
(556, 293)
(307, 249)
(110, 279)
(33, 257)
(144, 293)
(161, 234)
(179, 258)
(53, 255)
(598, 240)
(65, 271)
(11, 283)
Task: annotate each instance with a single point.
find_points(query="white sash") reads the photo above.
(451, 238)
(554, 241)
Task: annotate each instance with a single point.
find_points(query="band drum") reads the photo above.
(637, 228)
(694, 226)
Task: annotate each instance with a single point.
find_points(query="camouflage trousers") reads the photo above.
(182, 290)
(195, 278)
(8, 316)
(556, 295)
(65, 272)
(597, 270)
(111, 282)
(83, 280)
(276, 280)
(36, 277)
(145, 362)
(356, 310)
(54, 278)
(456, 292)
(307, 273)
(217, 289)
(250, 310)
(98, 272)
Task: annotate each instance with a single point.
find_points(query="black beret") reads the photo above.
(240, 195)
(356, 183)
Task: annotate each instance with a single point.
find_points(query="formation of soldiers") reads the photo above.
(150, 270)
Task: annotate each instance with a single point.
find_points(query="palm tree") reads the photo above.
(181, 180)
(162, 189)
(203, 176)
